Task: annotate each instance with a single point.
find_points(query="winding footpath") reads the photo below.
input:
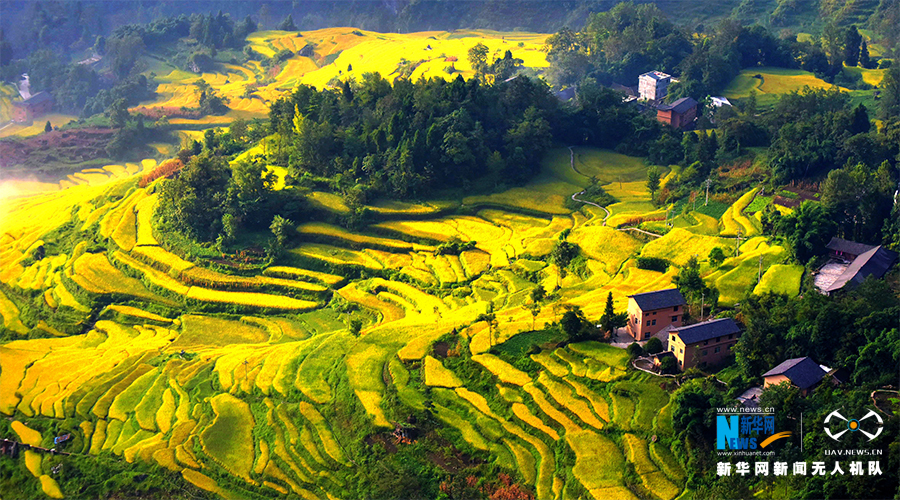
(572, 163)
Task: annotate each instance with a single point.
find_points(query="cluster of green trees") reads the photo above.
(499, 70)
(408, 138)
(618, 45)
(211, 199)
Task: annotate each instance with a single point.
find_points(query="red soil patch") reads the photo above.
(67, 147)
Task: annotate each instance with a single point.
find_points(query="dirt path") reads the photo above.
(572, 163)
(648, 233)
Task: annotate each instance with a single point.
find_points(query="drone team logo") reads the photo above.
(853, 425)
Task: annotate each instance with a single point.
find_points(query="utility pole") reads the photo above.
(702, 304)
(737, 251)
(759, 277)
(708, 180)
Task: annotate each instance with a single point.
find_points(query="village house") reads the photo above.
(653, 85)
(707, 343)
(851, 264)
(651, 312)
(679, 114)
(34, 107)
(803, 373)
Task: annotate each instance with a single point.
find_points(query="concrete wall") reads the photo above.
(706, 353)
(644, 324)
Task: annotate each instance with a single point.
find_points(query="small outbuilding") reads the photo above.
(803, 373)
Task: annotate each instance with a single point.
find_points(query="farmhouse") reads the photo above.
(851, 263)
(679, 114)
(649, 313)
(653, 85)
(706, 343)
(34, 107)
(802, 373)
(846, 250)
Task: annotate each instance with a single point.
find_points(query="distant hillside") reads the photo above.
(75, 22)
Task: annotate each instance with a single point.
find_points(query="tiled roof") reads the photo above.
(874, 262)
(679, 106)
(660, 299)
(847, 246)
(707, 330)
(802, 372)
(38, 98)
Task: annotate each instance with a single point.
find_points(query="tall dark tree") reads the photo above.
(288, 24)
(861, 122)
(864, 60)
(611, 321)
(852, 39)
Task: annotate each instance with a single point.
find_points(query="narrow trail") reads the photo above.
(648, 233)
(572, 163)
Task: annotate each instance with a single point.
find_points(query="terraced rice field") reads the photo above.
(773, 82)
(181, 354)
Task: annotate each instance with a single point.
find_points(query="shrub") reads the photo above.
(653, 346)
(164, 169)
(653, 264)
(635, 350)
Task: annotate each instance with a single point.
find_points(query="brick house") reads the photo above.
(34, 107)
(679, 114)
(803, 373)
(707, 343)
(650, 312)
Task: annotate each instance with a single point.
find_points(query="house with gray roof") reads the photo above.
(803, 373)
(852, 263)
(651, 312)
(704, 344)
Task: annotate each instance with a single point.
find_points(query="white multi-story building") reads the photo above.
(653, 85)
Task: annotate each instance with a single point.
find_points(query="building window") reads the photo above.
(717, 339)
(675, 309)
(647, 335)
(680, 350)
(674, 319)
(703, 353)
(731, 336)
(654, 322)
(705, 342)
(717, 349)
(648, 322)
(654, 313)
